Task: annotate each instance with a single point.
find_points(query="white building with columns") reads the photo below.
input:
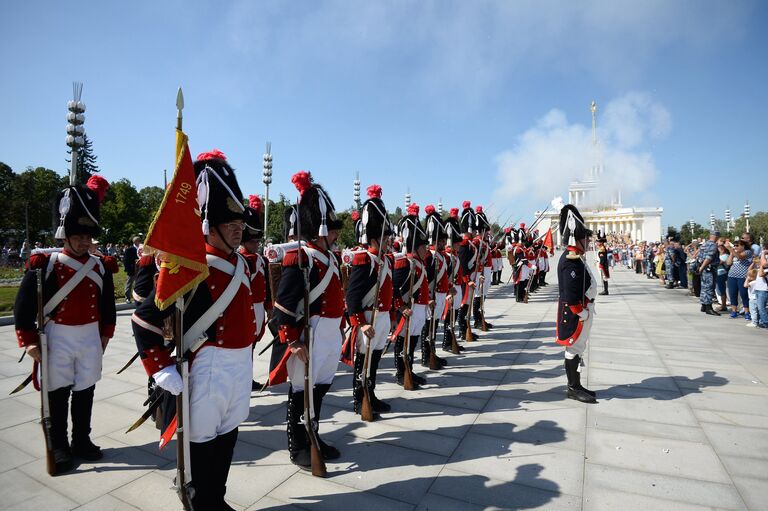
(602, 208)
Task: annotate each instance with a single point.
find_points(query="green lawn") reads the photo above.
(8, 294)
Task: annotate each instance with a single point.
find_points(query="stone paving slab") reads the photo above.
(681, 423)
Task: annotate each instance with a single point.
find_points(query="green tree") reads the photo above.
(7, 177)
(32, 197)
(151, 198)
(122, 214)
(699, 232)
(347, 235)
(758, 225)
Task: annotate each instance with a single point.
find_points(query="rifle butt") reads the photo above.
(484, 326)
(366, 409)
(408, 378)
(50, 459)
(468, 333)
(434, 365)
(318, 465)
(454, 344)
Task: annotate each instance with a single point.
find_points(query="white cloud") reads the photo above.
(554, 152)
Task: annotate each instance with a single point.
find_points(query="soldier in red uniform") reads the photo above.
(438, 273)
(455, 277)
(369, 263)
(257, 264)
(317, 226)
(79, 298)
(468, 260)
(144, 281)
(484, 264)
(410, 301)
(219, 327)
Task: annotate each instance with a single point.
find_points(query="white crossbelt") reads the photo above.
(414, 264)
(387, 271)
(195, 336)
(82, 270)
(317, 291)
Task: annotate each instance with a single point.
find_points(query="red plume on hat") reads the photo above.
(429, 209)
(466, 204)
(522, 225)
(479, 209)
(302, 180)
(355, 216)
(507, 230)
(98, 185)
(211, 155)
(413, 209)
(254, 201)
(374, 192)
(455, 212)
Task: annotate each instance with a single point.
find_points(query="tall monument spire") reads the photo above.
(593, 109)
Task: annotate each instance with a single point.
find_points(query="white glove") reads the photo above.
(583, 315)
(168, 378)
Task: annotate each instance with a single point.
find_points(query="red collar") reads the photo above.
(81, 259)
(210, 249)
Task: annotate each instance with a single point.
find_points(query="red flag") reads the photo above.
(176, 233)
(548, 241)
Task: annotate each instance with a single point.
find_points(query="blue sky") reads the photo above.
(459, 100)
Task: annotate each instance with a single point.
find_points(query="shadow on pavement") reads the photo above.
(657, 387)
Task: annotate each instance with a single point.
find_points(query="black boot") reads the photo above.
(425, 348)
(709, 310)
(329, 452)
(204, 477)
(578, 378)
(58, 402)
(447, 332)
(82, 407)
(357, 382)
(418, 380)
(476, 314)
(605, 288)
(225, 449)
(298, 440)
(378, 405)
(399, 363)
(703, 308)
(575, 390)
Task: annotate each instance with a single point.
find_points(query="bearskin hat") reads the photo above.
(254, 223)
(412, 233)
(374, 222)
(601, 237)
(289, 223)
(218, 193)
(467, 219)
(77, 208)
(317, 214)
(481, 221)
(435, 226)
(452, 227)
(572, 226)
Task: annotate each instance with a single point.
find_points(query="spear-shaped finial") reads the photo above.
(179, 108)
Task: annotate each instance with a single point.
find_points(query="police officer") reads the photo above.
(707, 261)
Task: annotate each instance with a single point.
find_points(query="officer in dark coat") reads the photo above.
(576, 286)
(602, 261)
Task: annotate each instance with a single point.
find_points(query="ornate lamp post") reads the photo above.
(267, 179)
(75, 128)
(356, 191)
(746, 214)
(712, 221)
(407, 199)
(691, 224)
(728, 219)
(440, 206)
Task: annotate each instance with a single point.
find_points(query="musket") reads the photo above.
(316, 457)
(484, 325)
(366, 410)
(407, 374)
(184, 487)
(128, 364)
(45, 408)
(434, 365)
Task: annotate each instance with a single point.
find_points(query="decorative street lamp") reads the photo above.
(75, 128)
(746, 214)
(267, 179)
(712, 221)
(440, 206)
(728, 219)
(691, 224)
(356, 193)
(407, 199)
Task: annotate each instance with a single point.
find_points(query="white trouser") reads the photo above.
(74, 355)
(219, 391)
(439, 306)
(382, 326)
(326, 349)
(458, 297)
(486, 284)
(418, 318)
(260, 315)
(580, 345)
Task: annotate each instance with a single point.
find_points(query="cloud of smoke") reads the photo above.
(554, 152)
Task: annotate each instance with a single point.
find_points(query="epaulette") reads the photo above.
(401, 262)
(38, 261)
(291, 258)
(110, 263)
(360, 258)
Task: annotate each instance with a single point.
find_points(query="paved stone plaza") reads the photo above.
(682, 423)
